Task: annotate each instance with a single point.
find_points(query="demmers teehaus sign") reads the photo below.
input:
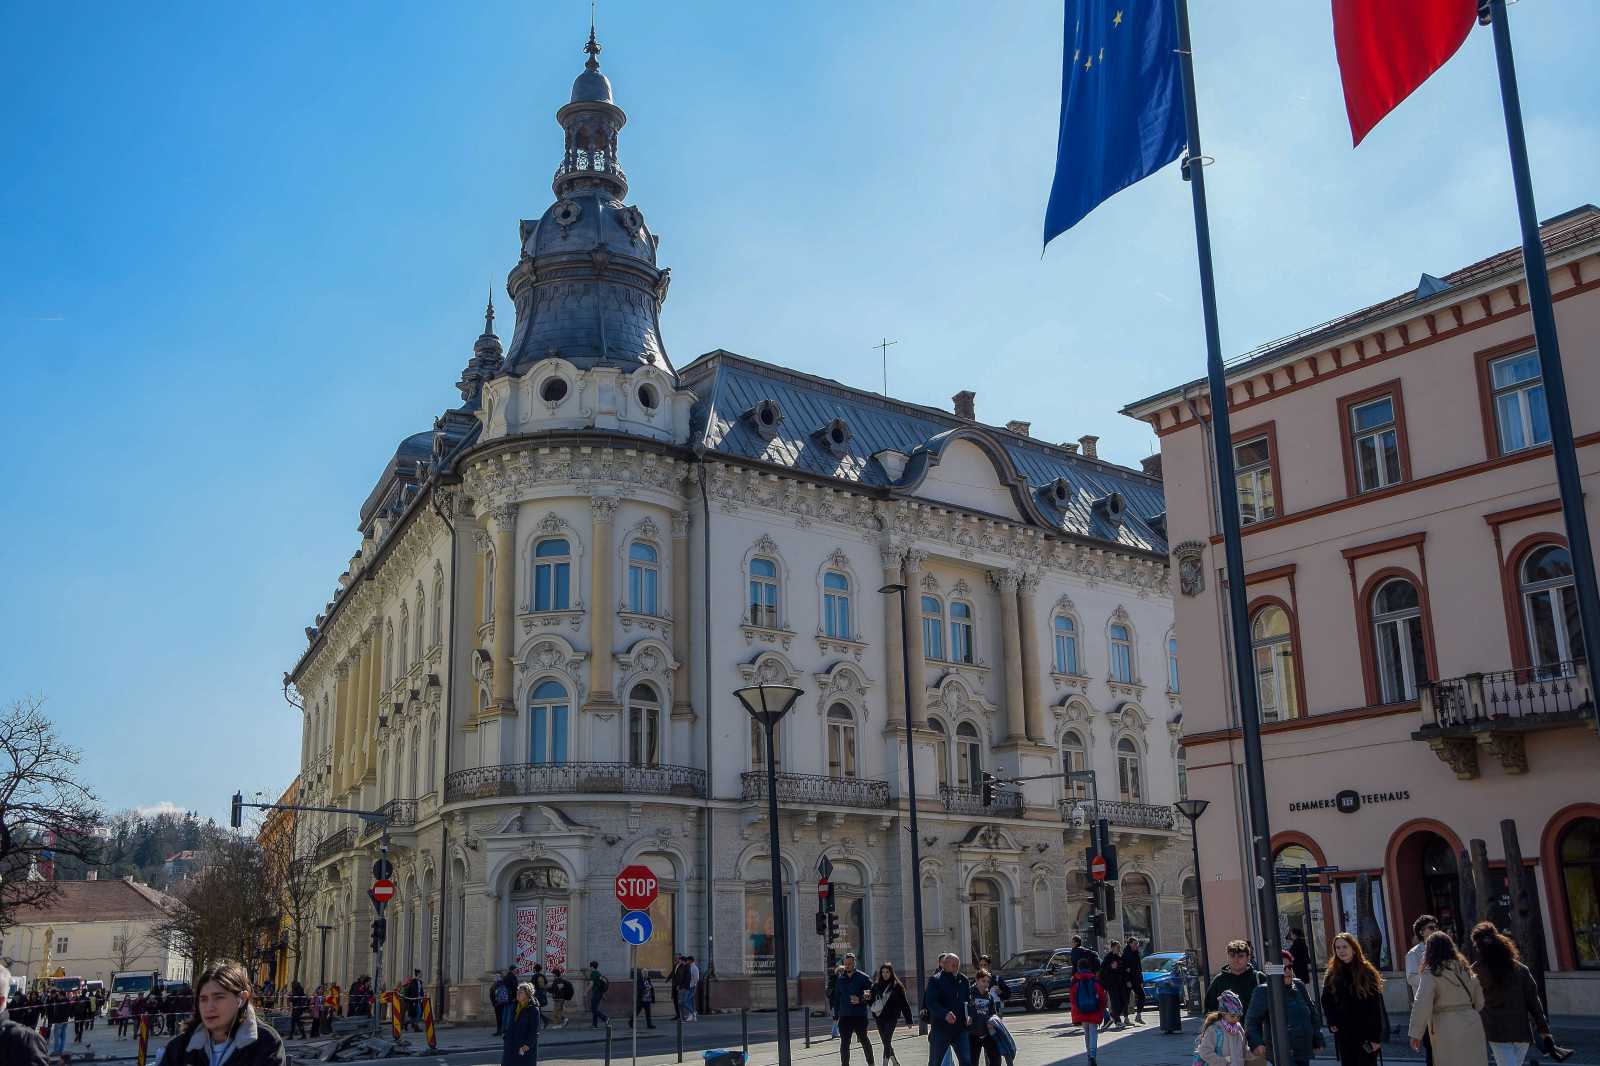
(1349, 801)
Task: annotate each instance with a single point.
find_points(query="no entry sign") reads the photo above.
(382, 891)
(636, 887)
(1097, 868)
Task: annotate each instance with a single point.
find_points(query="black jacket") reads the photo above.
(255, 1044)
(1511, 1008)
(1359, 1020)
(20, 1045)
(948, 993)
(895, 1005)
(521, 1032)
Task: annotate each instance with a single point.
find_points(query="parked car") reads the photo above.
(1038, 979)
(1165, 968)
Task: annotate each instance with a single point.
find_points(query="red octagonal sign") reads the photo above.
(636, 887)
(382, 890)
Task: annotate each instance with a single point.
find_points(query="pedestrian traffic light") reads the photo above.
(833, 926)
(236, 819)
(380, 933)
(988, 787)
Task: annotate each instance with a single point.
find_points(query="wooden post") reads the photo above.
(1479, 852)
(1525, 923)
(1469, 902)
(1367, 931)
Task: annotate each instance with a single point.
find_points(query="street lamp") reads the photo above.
(767, 704)
(1192, 809)
(911, 793)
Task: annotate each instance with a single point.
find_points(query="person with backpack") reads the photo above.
(1089, 1004)
(1221, 1040)
(500, 999)
(560, 995)
(1300, 1018)
(1352, 1003)
(597, 992)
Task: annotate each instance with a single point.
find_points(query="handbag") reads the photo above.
(875, 1008)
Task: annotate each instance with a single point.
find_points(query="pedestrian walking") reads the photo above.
(1352, 1003)
(1237, 976)
(1079, 951)
(850, 1002)
(502, 996)
(946, 1000)
(1300, 1018)
(20, 1045)
(1115, 980)
(224, 1029)
(1089, 1003)
(889, 1004)
(1133, 968)
(1513, 1016)
(986, 1006)
(597, 992)
(1424, 927)
(297, 1010)
(1302, 954)
(522, 1029)
(1221, 1041)
(996, 982)
(691, 987)
(1447, 1005)
(645, 993)
(560, 995)
(413, 1001)
(123, 1015)
(678, 981)
(57, 1012)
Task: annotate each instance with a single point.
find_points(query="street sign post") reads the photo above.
(382, 870)
(382, 892)
(637, 928)
(1097, 867)
(636, 887)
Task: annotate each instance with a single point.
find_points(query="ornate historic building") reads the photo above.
(529, 664)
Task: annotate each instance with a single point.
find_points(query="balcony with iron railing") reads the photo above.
(335, 842)
(818, 790)
(529, 779)
(957, 800)
(1495, 711)
(1124, 814)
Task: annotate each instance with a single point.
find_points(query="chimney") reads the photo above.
(1071, 446)
(1019, 427)
(965, 402)
(1088, 441)
(1152, 464)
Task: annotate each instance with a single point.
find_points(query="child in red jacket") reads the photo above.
(1089, 1004)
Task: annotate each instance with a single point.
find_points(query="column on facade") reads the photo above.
(361, 691)
(910, 620)
(894, 642)
(682, 705)
(1033, 705)
(503, 523)
(603, 511)
(341, 726)
(1005, 583)
(369, 731)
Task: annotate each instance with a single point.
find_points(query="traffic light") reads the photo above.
(833, 927)
(1098, 924)
(380, 933)
(822, 923)
(988, 787)
(236, 819)
(828, 900)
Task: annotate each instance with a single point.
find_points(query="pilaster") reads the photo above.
(503, 528)
(603, 513)
(681, 705)
(1005, 583)
(1028, 608)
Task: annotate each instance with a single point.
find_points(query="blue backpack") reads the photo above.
(1085, 994)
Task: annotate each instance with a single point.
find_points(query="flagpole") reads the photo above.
(1271, 945)
(1579, 546)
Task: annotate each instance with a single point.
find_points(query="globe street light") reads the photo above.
(1192, 809)
(767, 704)
(911, 793)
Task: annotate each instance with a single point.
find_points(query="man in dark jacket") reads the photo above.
(947, 1000)
(852, 992)
(1302, 955)
(19, 1045)
(1238, 976)
(1133, 971)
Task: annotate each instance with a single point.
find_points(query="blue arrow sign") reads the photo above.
(636, 927)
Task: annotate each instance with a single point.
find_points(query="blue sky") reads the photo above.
(244, 250)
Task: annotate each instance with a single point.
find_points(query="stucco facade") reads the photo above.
(1413, 622)
(92, 929)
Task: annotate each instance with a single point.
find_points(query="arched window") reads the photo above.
(1191, 914)
(1291, 904)
(411, 767)
(1172, 664)
(422, 608)
(1138, 909)
(969, 756)
(1550, 608)
(836, 605)
(941, 751)
(758, 747)
(1397, 636)
(1183, 772)
(1044, 912)
(438, 609)
(764, 593)
(1580, 880)
(404, 662)
(1066, 633)
(1121, 653)
(488, 587)
(932, 628)
(644, 727)
(1074, 759)
(433, 753)
(644, 578)
(932, 912)
(1130, 775)
(1272, 644)
(552, 575)
(388, 656)
(960, 632)
(841, 741)
(548, 711)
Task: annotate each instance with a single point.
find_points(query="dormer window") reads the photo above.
(1058, 492)
(649, 399)
(835, 436)
(1110, 506)
(553, 390)
(765, 418)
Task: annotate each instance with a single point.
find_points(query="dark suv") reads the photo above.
(1039, 978)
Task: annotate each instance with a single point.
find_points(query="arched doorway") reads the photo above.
(540, 912)
(760, 925)
(1292, 904)
(985, 899)
(657, 954)
(1426, 878)
(1580, 882)
(850, 901)
(1138, 909)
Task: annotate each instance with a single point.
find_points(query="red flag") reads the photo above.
(1389, 47)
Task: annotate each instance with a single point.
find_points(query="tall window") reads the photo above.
(1580, 879)
(836, 605)
(644, 577)
(1272, 645)
(1066, 634)
(941, 750)
(405, 638)
(644, 727)
(1138, 908)
(388, 656)
(433, 753)
(932, 628)
(969, 756)
(1252, 470)
(552, 575)
(1375, 438)
(1172, 665)
(438, 609)
(1550, 608)
(1397, 635)
(1520, 416)
(422, 607)
(1074, 759)
(841, 741)
(758, 747)
(1183, 772)
(1121, 653)
(488, 586)
(548, 711)
(1130, 777)
(763, 593)
(960, 632)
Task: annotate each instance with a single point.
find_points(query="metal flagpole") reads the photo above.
(1228, 503)
(1544, 332)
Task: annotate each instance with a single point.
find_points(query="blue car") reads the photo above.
(1165, 969)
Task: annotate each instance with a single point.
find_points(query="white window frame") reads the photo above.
(1252, 478)
(438, 610)
(404, 662)
(1522, 393)
(840, 747)
(1130, 770)
(488, 586)
(764, 594)
(1385, 441)
(1283, 680)
(1121, 654)
(644, 739)
(551, 568)
(1556, 590)
(941, 750)
(969, 755)
(932, 628)
(836, 618)
(1400, 623)
(961, 632)
(1066, 648)
(644, 578)
(1173, 677)
(545, 700)
(1074, 759)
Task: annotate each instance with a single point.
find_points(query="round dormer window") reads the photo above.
(1061, 491)
(836, 434)
(1114, 506)
(554, 390)
(649, 399)
(767, 414)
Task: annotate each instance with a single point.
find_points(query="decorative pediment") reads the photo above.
(769, 667)
(989, 838)
(843, 682)
(549, 653)
(1120, 616)
(1129, 715)
(930, 583)
(1065, 606)
(647, 657)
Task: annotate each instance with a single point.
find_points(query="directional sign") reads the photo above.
(636, 928)
(825, 867)
(636, 888)
(382, 891)
(1097, 868)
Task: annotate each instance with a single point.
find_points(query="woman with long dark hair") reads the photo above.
(888, 1005)
(1352, 1003)
(1512, 1013)
(224, 1029)
(1447, 1005)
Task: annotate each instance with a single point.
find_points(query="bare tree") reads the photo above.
(291, 884)
(127, 946)
(223, 908)
(46, 814)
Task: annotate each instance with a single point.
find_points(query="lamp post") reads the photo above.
(911, 793)
(767, 704)
(1192, 809)
(1097, 835)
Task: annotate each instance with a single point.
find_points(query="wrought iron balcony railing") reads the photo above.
(1508, 699)
(402, 814)
(525, 779)
(335, 842)
(957, 800)
(818, 789)
(1125, 815)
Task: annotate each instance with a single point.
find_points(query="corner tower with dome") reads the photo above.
(528, 664)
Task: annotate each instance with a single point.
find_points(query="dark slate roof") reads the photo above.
(729, 385)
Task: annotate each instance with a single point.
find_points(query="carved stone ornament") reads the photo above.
(603, 508)
(631, 220)
(1191, 567)
(1458, 753)
(1508, 749)
(567, 212)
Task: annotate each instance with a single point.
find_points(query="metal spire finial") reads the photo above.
(488, 314)
(593, 47)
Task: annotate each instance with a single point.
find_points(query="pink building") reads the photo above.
(1414, 626)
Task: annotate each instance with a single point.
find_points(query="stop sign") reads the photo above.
(382, 891)
(1097, 868)
(636, 887)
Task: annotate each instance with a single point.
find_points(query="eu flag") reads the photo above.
(1121, 104)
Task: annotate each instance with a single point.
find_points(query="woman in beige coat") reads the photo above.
(1447, 1005)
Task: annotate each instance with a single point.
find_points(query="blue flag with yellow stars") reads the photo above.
(1121, 104)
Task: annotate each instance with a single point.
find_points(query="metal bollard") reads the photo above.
(744, 1030)
(680, 1035)
(806, 1011)
(608, 1042)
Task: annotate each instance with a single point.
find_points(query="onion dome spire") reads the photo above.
(486, 359)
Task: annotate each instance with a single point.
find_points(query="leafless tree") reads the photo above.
(46, 813)
(127, 947)
(222, 909)
(292, 885)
